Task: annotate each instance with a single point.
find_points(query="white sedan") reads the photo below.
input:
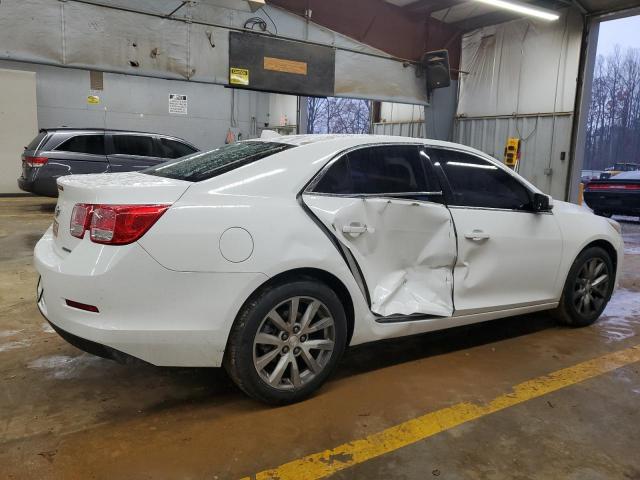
(271, 256)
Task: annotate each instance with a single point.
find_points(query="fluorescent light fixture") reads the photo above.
(523, 8)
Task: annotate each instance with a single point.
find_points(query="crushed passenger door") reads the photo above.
(405, 248)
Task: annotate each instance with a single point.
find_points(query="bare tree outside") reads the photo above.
(338, 115)
(613, 122)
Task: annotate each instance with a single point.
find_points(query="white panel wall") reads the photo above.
(139, 103)
(18, 123)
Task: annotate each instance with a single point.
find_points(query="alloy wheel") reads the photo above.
(294, 343)
(591, 287)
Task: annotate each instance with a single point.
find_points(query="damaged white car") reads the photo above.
(271, 256)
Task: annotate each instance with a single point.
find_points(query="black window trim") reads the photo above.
(179, 140)
(66, 138)
(157, 141)
(396, 195)
(112, 145)
(443, 177)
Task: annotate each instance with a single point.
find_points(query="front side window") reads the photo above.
(384, 169)
(174, 149)
(92, 144)
(139, 145)
(204, 165)
(475, 182)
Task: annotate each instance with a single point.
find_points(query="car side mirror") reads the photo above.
(541, 203)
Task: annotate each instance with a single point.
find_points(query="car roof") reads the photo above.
(101, 130)
(354, 140)
(68, 130)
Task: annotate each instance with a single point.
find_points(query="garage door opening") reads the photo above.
(613, 119)
(338, 115)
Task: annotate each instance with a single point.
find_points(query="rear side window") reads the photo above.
(205, 165)
(174, 149)
(36, 141)
(92, 144)
(376, 170)
(475, 182)
(139, 145)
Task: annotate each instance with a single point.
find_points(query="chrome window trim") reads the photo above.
(457, 207)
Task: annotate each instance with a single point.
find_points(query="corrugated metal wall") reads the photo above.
(402, 129)
(545, 137)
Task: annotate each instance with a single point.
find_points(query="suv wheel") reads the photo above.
(286, 342)
(588, 288)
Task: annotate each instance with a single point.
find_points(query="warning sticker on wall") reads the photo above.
(177, 104)
(93, 99)
(238, 76)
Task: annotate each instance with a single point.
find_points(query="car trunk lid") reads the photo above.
(127, 188)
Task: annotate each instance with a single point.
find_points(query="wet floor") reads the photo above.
(66, 415)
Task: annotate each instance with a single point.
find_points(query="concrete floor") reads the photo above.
(66, 415)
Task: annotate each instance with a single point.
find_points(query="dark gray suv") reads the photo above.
(65, 151)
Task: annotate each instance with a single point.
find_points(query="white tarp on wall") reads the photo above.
(520, 67)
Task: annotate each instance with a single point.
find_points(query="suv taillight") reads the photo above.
(114, 224)
(34, 161)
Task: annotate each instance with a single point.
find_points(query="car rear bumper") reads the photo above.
(45, 186)
(146, 311)
(613, 202)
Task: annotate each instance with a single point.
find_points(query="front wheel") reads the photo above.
(588, 288)
(286, 341)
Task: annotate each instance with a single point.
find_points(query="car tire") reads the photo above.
(270, 357)
(586, 292)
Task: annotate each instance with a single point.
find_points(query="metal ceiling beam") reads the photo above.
(387, 27)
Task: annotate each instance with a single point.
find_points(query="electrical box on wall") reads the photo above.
(512, 152)
(260, 62)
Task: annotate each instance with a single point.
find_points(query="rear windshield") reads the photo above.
(204, 165)
(36, 141)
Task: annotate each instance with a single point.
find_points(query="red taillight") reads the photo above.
(34, 161)
(613, 186)
(114, 224)
(80, 219)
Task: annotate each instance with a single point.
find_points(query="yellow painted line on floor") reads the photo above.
(328, 462)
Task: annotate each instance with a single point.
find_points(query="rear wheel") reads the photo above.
(588, 288)
(287, 341)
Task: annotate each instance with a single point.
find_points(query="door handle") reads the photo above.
(354, 229)
(477, 236)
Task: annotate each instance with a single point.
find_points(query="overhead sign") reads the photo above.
(260, 62)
